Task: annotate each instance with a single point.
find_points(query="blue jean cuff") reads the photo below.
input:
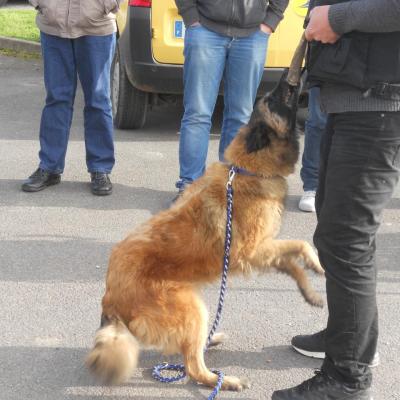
(182, 183)
(50, 171)
(100, 171)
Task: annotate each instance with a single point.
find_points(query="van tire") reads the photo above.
(129, 105)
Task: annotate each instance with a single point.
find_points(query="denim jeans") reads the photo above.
(315, 127)
(89, 58)
(209, 59)
(360, 164)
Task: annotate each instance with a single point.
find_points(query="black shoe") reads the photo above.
(176, 197)
(314, 346)
(39, 180)
(100, 184)
(322, 387)
(181, 189)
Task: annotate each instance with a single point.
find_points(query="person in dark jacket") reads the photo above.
(355, 59)
(224, 41)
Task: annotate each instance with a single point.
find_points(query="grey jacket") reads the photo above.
(232, 18)
(75, 18)
(363, 16)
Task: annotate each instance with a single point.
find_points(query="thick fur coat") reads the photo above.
(152, 294)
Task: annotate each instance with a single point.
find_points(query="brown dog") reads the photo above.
(152, 294)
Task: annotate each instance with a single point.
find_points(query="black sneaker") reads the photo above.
(40, 180)
(181, 188)
(322, 387)
(177, 196)
(100, 184)
(314, 346)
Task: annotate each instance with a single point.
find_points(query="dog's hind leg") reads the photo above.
(192, 346)
(197, 370)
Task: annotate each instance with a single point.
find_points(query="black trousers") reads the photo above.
(359, 170)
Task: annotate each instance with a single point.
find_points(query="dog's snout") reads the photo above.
(289, 97)
(284, 95)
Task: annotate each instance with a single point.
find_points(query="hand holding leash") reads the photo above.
(319, 27)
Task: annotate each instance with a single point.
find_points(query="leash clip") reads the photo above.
(232, 173)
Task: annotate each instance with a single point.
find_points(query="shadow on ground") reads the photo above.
(56, 372)
(69, 194)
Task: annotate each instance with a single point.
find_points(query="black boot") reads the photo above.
(39, 180)
(322, 387)
(100, 184)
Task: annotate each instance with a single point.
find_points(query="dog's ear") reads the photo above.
(257, 137)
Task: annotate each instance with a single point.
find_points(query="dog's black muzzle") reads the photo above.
(284, 93)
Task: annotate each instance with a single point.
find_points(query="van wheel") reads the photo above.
(3, 2)
(129, 105)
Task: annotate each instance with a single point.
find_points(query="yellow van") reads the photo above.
(148, 64)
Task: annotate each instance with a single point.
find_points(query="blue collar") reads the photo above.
(243, 171)
(233, 170)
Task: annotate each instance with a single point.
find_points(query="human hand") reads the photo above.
(197, 23)
(266, 29)
(319, 28)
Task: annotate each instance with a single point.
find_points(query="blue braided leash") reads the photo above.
(180, 368)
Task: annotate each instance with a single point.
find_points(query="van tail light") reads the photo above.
(140, 3)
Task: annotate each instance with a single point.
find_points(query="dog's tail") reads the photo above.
(115, 352)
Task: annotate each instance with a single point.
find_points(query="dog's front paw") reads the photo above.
(311, 260)
(315, 300)
(235, 384)
(318, 267)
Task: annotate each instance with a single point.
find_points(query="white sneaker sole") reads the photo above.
(313, 354)
(374, 363)
(306, 208)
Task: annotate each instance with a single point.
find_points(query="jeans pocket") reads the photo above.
(266, 34)
(192, 35)
(388, 130)
(195, 26)
(396, 157)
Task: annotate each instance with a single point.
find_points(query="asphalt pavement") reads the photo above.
(54, 250)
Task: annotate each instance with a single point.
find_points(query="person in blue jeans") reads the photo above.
(314, 129)
(78, 41)
(224, 41)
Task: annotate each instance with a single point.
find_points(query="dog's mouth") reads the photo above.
(290, 96)
(284, 95)
(282, 102)
(274, 117)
